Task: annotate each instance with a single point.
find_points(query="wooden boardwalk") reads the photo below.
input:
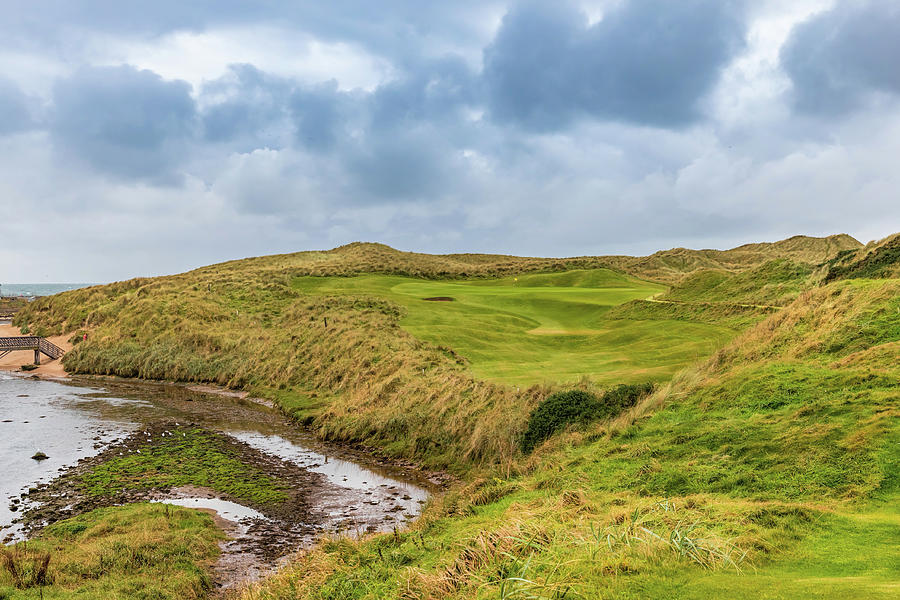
(30, 342)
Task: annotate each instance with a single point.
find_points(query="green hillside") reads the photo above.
(878, 259)
(765, 459)
(772, 466)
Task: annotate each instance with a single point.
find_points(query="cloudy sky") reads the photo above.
(149, 138)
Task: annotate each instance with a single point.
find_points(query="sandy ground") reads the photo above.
(14, 360)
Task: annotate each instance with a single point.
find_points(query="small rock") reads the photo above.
(40, 456)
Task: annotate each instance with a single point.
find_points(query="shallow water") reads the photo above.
(343, 473)
(71, 420)
(230, 511)
(59, 420)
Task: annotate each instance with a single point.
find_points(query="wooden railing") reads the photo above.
(30, 342)
(49, 348)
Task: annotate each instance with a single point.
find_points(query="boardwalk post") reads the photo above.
(37, 356)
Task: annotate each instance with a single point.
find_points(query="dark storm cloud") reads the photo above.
(123, 122)
(415, 128)
(839, 57)
(434, 90)
(645, 62)
(404, 164)
(396, 142)
(321, 114)
(15, 113)
(246, 106)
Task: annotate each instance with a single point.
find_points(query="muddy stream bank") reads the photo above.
(85, 425)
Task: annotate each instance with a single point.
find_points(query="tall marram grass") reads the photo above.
(251, 331)
(342, 364)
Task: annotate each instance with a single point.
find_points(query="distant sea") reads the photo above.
(38, 289)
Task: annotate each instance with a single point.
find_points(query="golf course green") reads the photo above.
(538, 328)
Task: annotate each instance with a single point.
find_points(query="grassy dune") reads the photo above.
(777, 282)
(768, 468)
(426, 380)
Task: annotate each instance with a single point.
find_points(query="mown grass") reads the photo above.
(139, 551)
(539, 328)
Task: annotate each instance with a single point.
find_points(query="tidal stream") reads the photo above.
(72, 420)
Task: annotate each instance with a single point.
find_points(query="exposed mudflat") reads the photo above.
(84, 424)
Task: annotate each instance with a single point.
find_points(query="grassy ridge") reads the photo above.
(722, 314)
(777, 282)
(139, 551)
(772, 466)
(878, 259)
(670, 266)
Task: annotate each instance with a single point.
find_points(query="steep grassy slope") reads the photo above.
(777, 282)
(772, 467)
(878, 259)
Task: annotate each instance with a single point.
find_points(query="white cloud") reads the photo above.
(199, 56)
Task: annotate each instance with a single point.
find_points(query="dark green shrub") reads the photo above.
(578, 406)
(557, 411)
(621, 397)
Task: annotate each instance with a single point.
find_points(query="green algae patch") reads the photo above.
(187, 456)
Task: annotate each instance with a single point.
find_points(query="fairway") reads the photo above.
(538, 328)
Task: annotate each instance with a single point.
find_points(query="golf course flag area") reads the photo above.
(539, 328)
